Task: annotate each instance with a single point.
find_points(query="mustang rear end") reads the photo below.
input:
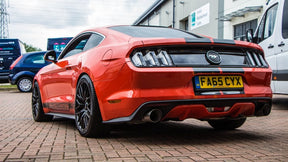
(221, 82)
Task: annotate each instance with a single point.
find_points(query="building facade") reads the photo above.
(228, 19)
(241, 15)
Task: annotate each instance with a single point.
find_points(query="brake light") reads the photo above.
(15, 62)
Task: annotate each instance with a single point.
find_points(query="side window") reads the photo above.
(93, 41)
(35, 59)
(261, 29)
(76, 47)
(270, 21)
(267, 24)
(285, 20)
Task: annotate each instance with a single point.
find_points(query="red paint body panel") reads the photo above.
(115, 78)
(200, 112)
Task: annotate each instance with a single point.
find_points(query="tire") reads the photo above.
(227, 124)
(37, 108)
(25, 84)
(88, 118)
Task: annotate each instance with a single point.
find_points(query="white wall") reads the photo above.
(234, 5)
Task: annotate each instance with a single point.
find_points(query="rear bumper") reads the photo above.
(137, 91)
(197, 108)
(11, 79)
(4, 76)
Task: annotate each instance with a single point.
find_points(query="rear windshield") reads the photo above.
(154, 32)
(7, 48)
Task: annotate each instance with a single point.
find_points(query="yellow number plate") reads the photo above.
(218, 82)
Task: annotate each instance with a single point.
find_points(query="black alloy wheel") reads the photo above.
(87, 114)
(227, 124)
(37, 108)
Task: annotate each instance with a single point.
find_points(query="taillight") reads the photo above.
(15, 62)
(256, 59)
(149, 58)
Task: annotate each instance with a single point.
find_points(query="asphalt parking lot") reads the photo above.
(22, 139)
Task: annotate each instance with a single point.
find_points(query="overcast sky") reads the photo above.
(33, 21)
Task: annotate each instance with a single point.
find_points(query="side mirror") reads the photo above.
(50, 56)
(249, 35)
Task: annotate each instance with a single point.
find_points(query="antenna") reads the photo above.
(4, 33)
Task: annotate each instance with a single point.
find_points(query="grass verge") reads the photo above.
(7, 87)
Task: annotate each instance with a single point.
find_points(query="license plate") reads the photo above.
(218, 82)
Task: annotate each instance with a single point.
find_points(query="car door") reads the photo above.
(60, 81)
(265, 37)
(281, 50)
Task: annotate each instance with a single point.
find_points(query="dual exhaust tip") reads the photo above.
(153, 116)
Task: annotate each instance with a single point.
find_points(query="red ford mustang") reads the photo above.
(135, 74)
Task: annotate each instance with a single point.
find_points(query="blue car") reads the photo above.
(23, 70)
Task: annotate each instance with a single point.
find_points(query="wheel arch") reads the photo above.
(23, 74)
(95, 90)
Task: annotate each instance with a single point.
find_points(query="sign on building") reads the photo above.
(200, 16)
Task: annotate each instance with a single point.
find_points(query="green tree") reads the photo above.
(30, 48)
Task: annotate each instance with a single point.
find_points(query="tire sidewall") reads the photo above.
(227, 124)
(37, 117)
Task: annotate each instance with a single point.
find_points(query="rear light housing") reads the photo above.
(149, 58)
(15, 62)
(195, 56)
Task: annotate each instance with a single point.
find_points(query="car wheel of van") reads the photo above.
(24, 84)
(87, 113)
(227, 124)
(37, 108)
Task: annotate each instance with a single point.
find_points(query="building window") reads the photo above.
(184, 24)
(240, 29)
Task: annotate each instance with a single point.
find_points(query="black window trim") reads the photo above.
(61, 56)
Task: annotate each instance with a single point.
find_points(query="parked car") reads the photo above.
(23, 70)
(272, 35)
(10, 50)
(135, 74)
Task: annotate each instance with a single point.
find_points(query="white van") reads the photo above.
(272, 35)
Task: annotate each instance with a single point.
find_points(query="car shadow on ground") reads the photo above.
(173, 133)
(181, 133)
(280, 102)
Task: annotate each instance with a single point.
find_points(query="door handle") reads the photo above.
(281, 44)
(270, 46)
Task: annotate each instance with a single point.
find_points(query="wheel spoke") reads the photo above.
(83, 121)
(79, 104)
(79, 97)
(80, 112)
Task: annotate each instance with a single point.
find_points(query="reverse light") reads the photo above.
(158, 58)
(218, 109)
